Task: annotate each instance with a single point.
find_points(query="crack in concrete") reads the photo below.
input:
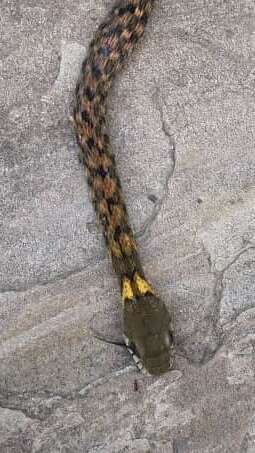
(15, 408)
(158, 203)
(38, 410)
(219, 277)
(237, 256)
(218, 292)
(83, 392)
(9, 401)
(212, 46)
(59, 277)
(248, 438)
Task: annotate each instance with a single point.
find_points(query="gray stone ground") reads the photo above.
(182, 118)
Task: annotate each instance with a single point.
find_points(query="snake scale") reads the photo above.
(146, 320)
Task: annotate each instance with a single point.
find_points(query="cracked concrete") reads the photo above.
(181, 119)
(158, 201)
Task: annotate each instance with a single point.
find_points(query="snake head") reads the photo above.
(147, 334)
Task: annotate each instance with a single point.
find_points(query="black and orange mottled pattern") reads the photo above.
(112, 43)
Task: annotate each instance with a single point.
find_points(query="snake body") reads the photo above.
(145, 317)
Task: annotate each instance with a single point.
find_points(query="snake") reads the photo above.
(147, 330)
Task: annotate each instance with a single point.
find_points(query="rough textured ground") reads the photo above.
(182, 118)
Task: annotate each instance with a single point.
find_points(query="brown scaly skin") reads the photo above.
(146, 319)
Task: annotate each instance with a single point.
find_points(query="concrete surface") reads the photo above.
(181, 117)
